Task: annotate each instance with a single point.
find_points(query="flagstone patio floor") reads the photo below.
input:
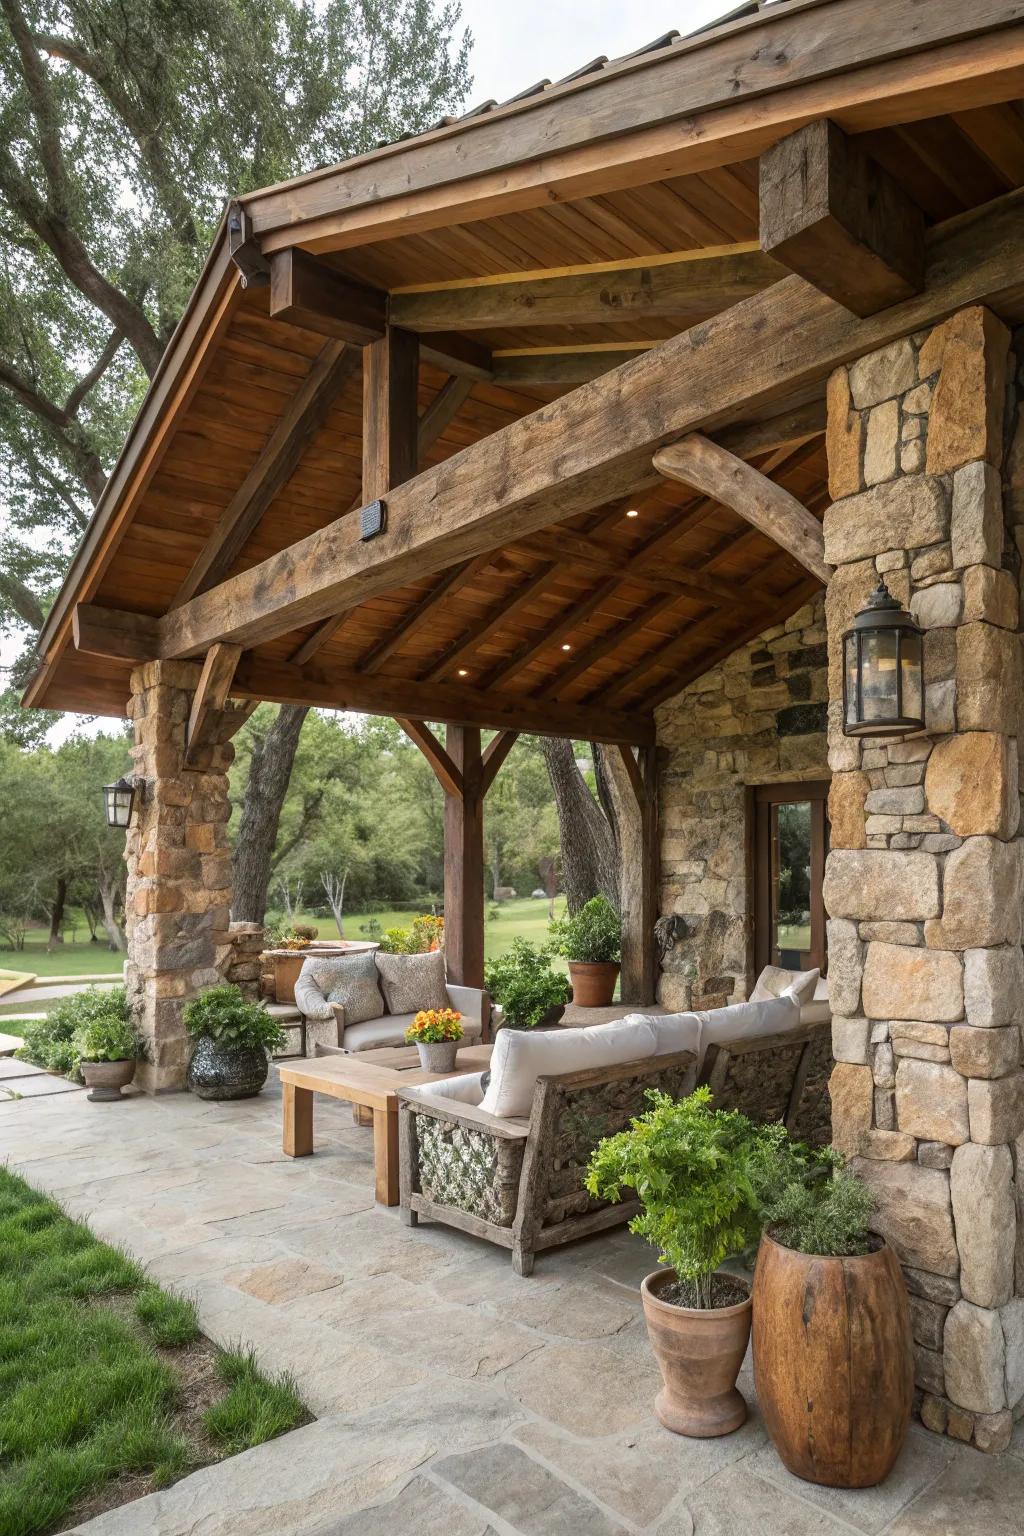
(452, 1398)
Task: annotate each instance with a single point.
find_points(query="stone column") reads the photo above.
(179, 869)
(924, 883)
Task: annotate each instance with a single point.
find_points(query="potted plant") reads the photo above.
(530, 993)
(833, 1359)
(107, 1048)
(233, 1038)
(691, 1168)
(592, 943)
(436, 1032)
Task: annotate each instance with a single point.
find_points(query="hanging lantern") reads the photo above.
(118, 800)
(883, 686)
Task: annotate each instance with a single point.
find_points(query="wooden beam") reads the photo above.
(539, 368)
(693, 285)
(390, 375)
(464, 861)
(597, 442)
(211, 695)
(441, 412)
(641, 884)
(283, 683)
(492, 623)
(759, 501)
(446, 771)
(305, 415)
(832, 214)
(115, 634)
(789, 428)
(454, 578)
(707, 100)
(634, 773)
(307, 292)
(495, 753)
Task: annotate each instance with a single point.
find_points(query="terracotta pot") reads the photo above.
(833, 1362)
(107, 1078)
(699, 1354)
(593, 982)
(437, 1055)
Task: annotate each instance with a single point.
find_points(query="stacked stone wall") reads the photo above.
(179, 869)
(758, 718)
(924, 881)
(239, 960)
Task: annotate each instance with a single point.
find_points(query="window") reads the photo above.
(790, 843)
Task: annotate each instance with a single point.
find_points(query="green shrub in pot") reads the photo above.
(523, 982)
(233, 1038)
(591, 941)
(50, 1040)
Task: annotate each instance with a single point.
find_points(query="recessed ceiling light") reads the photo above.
(463, 672)
(567, 646)
(632, 512)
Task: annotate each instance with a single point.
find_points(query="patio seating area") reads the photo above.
(450, 1395)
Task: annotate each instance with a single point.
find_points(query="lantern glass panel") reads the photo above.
(119, 798)
(911, 673)
(878, 675)
(851, 679)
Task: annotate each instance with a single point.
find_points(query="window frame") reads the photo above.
(761, 799)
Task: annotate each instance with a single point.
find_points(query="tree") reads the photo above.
(589, 860)
(123, 128)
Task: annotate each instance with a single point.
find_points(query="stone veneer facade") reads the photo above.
(924, 881)
(758, 718)
(179, 870)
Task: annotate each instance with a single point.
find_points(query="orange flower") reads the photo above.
(435, 1024)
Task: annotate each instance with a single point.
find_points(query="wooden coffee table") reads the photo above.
(371, 1079)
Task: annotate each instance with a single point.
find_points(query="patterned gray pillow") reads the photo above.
(350, 980)
(412, 982)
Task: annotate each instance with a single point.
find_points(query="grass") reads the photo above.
(528, 918)
(91, 1395)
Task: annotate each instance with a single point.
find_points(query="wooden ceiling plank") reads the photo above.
(707, 467)
(303, 417)
(598, 441)
(491, 623)
(684, 287)
(832, 214)
(604, 646)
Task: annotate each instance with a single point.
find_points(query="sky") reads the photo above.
(513, 48)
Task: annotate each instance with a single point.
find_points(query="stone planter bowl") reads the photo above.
(222, 1069)
(105, 1079)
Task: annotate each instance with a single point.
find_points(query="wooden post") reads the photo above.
(464, 860)
(641, 888)
(390, 425)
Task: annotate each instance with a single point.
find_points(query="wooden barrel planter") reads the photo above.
(833, 1362)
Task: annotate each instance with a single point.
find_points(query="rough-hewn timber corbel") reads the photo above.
(210, 696)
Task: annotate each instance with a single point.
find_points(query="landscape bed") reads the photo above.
(108, 1390)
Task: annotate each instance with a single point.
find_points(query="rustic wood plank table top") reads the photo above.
(370, 1079)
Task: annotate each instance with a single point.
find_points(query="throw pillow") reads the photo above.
(412, 982)
(774, 982)
(351, 980)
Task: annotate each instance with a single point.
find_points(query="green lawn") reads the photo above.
(94, 1362)
(528, 918)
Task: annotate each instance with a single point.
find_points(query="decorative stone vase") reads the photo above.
(833, 1361)
(699, 1353)
(226, 1069)
(593, 982)
(438, 1055)
(105, 1079)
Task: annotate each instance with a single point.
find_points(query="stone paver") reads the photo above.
(11, 1068)
(453, 1398)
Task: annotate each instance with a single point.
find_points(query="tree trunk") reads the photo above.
(115, 933)
(589, 864)
(269, 772)
(60, 896)
(624, 817)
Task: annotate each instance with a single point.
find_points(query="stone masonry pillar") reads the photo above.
(179, 869)
(924, 883)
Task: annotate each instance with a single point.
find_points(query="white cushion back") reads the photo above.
(520, 1057)
(748, 1021)
(672, 1031)
(774, 981)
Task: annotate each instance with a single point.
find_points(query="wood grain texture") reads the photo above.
(709, 468)
(833, 1362)
(832, 214)
(464, 860)
(210, 696)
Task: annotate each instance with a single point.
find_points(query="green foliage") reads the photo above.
(594, 934)
(433, 1026)
(811, 1203)
(222, 1013)
(255, 1409)
(110, 1038)
(426, 933)
(171, 1321)
(53, 1040)
(525, 985)
(691, 1167)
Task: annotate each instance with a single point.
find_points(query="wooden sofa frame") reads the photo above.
(519, 1183)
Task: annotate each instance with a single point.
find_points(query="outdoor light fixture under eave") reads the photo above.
(883, 684)
(118, 802)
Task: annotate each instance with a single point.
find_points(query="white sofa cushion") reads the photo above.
(747, 1021)
(521, 1056)
(774, 981)
(819, 1009)
(672, 1031)
(390, 1030)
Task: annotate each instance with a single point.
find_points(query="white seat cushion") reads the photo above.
(747, 1021)
(520, 1057)
(774, 981)
(390, 1030)
(672, 1031)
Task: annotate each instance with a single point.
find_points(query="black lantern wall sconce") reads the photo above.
(883, 675)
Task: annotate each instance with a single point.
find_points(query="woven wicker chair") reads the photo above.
(519, 1183)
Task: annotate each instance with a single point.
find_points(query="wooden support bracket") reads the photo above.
(709, 468)
(448, 775)
(211, 695)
